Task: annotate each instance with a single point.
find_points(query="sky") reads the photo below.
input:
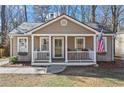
(30, 13)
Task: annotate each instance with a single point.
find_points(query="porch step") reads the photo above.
(55, 68)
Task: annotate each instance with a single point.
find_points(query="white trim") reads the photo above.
(32, 46)
(19, 34)
(95, 43)
(106, 48)
(62, 38)
(76, 41)
(81, 60)
(108, 34)
(78, 51)
(58, 34)
(41, 60)
(66, 49)
(112, 48)
(11, 46)
(50, 46)
(18, 38)
(68, 64)
(64, 34)
(69, 18)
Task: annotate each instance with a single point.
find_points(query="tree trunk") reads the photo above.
(3, 26)
(94, 13)
(114, 21)
(114, 18)
(25, 13)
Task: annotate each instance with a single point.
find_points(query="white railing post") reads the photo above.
(50, 58)
(11, 46)
(66, 49)
(32, 45)
(95, 48)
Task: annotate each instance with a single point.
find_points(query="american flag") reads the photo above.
(100, 42)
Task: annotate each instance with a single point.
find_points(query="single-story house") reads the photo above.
(62, 40)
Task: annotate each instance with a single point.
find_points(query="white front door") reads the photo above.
(58, 47)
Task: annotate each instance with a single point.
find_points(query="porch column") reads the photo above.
(11, 46)
(95, 48)
(112, 48)
(50, 58)
(32, 46)
(66, 49)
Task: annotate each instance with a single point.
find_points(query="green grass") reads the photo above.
(78, 77)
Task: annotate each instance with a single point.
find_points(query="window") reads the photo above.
(79, 43)
(44, 44)
(104, 44)
(22, 44)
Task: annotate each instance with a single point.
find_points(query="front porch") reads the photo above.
(63, 49)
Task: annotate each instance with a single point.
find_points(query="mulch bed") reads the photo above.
(20, 64)
(116, 64)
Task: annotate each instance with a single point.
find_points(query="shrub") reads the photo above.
(13, 59)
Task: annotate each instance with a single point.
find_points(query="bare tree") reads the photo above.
(94, 13)
(83, 13)
(25, 8)
(114, 18)
(63, 9)
(105, 16)
(3, 26)
(15, 16)
(74, 11)
(40, 12)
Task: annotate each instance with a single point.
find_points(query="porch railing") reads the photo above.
(80, 55)
(41, 55)
(72, 56)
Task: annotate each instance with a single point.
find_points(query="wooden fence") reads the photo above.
(4, 52)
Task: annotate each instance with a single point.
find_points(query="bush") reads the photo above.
(13, 59)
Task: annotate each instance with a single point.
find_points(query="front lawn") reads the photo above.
(72, 76)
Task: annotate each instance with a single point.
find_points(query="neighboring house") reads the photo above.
(62, 40)
(119, 44)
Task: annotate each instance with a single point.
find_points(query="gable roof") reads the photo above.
(99, 27)
(24, 28)
(29, 28)
(60, 17)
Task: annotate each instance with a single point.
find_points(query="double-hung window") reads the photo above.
(22, 44)
(44, 44)
(79, 43)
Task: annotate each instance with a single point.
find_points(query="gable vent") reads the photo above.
(63, 22)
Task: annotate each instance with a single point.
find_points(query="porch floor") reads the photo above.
(62, 61)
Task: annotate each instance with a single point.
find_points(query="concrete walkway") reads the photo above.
(23, 70)
(56, 68)
(30, 70)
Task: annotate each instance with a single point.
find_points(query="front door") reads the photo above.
(58, 47)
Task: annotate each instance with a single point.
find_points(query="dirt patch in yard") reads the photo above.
(96, 72)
